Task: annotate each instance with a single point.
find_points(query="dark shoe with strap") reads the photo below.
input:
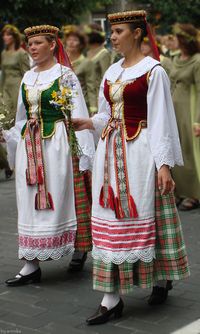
(159, 294)
(189, 204)
(102, 315)
(34, 277)
(77, 264)
(8, 173)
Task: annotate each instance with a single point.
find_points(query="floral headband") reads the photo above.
(88, 31)
(69, 28)
(178, 31)
(11, 27)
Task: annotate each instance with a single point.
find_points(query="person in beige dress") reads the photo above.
(147, 51)
(97, 52)
(14, 63)
(75, 44)
(185, 82)
(170, 43)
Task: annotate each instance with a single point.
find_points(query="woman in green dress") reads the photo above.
(185, 81)
(147, 51)
(14, 63)
(97, 52)
(75, 43)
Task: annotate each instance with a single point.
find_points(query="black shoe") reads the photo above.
(8, 173)
(159, 294)
(77, 264)
(102, 315)
(34, 277)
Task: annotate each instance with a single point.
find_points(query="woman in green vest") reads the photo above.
(51, 163)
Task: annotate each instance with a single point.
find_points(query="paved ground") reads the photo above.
(62, 301)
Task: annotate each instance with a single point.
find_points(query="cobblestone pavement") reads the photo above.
(62, 301)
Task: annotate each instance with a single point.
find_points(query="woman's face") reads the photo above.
(40, 49)
(73, 43)
(122, 38)
(8, 39)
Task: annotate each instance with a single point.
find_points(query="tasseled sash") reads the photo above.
(123, 205)
(35, 173)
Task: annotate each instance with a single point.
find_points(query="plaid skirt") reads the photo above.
(171, 259)
(83, 200)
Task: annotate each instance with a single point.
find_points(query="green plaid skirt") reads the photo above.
(83, 200)
(171, 259)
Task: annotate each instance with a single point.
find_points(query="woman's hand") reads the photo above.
(82, 124)
(196, 129)
(165, 182)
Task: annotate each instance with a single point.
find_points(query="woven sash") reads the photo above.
(123, 204)
(35, 172)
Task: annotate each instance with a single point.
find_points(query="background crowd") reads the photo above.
(90, 54)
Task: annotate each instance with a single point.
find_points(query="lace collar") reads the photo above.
(44, 77)
(116, 70)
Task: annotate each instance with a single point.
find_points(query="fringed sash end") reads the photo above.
(43, 203)
(110, 201)
(50, 202)
(132, 208)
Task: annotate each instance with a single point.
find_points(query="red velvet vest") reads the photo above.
(134, 106)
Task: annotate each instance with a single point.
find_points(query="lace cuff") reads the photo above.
(167, 156)
(166, 151)
(87, 158)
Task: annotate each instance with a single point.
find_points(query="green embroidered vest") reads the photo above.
(48, 114)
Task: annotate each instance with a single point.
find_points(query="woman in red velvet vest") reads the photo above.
(137, 236)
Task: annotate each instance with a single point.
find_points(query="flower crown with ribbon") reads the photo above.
(137, 16)
(41, 30)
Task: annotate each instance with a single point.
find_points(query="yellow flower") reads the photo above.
(60, 101)
(63, 92)
(54, 94)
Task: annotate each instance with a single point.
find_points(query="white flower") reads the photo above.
(2, 116)
(70, 107)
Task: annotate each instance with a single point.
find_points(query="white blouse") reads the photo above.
(161, 122)
(39, 81)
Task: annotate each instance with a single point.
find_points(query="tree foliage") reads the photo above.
(24, 13)
(164, 13)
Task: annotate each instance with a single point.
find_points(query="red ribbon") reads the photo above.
(154, 47)
(61, 55)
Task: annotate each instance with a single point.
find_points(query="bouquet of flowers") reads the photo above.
(63, 99)
(6, 122)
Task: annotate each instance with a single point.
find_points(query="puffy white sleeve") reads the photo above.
(12, 136)
(100, 120)
(85, 137)
(162, 127)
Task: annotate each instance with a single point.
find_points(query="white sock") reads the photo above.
(29, 267)
(110, 300)
(162, 283)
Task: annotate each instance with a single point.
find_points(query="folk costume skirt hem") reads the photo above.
(171, 259)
